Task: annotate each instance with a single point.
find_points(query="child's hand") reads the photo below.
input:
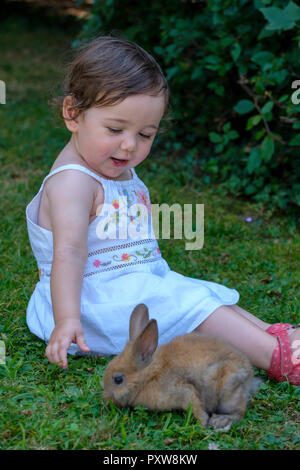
(65, 332)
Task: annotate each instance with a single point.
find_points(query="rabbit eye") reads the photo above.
(118, 380)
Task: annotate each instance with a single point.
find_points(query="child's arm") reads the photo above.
(70, 195)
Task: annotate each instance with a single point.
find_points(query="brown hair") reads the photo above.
(107, 70)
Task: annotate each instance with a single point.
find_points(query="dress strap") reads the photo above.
(74, 166)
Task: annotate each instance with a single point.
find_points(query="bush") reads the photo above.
(230, 66)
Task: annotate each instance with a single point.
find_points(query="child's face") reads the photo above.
(112, 139)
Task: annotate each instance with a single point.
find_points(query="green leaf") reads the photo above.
(250, 189)
(254, 160)
(267, 107)
(253, 121)
(219, 90)
(256, 119)
(244, 106)
(226, 127)
(212, 59)
(267, 148)
(171, 72)
(197, 72)
(281, 18)
(214, 137)
(295, 140)
(219, 148)
(236, 51)
(233, 134)
(262, 57)
(158, 50)
(259, 134)
(284, 98)
(280, 76)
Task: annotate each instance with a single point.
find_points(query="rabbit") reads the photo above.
(191, 369)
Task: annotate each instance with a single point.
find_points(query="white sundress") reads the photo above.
(119, 274)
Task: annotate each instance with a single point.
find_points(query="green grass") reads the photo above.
(44, 407)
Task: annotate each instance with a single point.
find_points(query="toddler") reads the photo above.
(88, 228)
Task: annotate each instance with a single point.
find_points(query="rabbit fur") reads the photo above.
(191, 369)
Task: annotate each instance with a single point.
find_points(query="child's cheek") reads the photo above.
(146, 150)
(106, 149)
(142, 157)
(100, 147)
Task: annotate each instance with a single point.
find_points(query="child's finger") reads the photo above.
(82, 343)
(63, 363)
(52, 354)
(63, 353)
(57, 355)
(61, 359)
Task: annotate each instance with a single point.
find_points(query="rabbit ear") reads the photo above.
(145, 344)
(138, 320)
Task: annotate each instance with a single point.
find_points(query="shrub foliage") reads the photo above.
(234, 74)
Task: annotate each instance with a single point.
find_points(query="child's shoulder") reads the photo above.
(71, 178)
(71, 190)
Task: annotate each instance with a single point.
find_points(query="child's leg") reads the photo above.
(227, 324)
(294, 334)
(262, 324)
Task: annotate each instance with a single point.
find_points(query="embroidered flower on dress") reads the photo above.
(125, 257)
(116, 217)
(97, 263)
(115, 204)
(143, 199)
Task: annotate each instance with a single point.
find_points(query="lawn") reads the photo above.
(246, 246)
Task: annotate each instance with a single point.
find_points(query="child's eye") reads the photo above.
(114, 131)
(145, 136)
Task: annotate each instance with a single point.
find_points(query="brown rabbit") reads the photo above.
(191, 369)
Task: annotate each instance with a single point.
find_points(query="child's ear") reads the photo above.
(70, 115)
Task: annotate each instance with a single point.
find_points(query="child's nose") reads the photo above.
(128, 143)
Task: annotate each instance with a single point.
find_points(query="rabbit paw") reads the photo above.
(220, 422)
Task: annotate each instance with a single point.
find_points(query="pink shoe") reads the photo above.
(284, 367)
(278, 328)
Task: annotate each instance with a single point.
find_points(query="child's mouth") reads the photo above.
(118, 161)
